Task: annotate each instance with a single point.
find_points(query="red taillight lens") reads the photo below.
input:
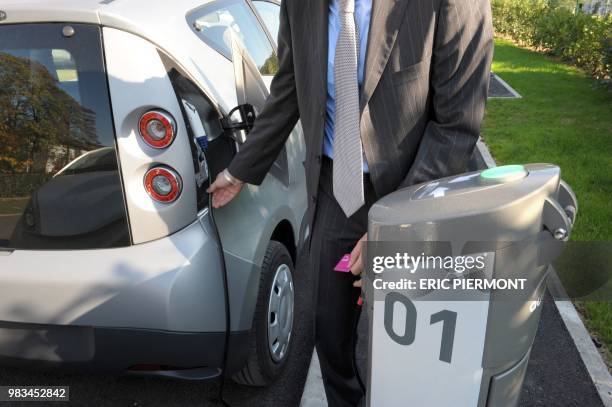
(163, 184)
(157, 128)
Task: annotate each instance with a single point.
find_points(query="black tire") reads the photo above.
(261, 369)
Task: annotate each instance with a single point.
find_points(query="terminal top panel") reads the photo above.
(466, 194)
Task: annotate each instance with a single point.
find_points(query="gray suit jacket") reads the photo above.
(422, 101)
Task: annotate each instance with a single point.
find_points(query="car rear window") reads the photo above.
(60, 185)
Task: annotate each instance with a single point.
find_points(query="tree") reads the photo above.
(36, 115)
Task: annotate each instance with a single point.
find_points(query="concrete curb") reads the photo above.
(485, 154)
(510, 89)
(314, 393)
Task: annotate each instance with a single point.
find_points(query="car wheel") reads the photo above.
(270, 336)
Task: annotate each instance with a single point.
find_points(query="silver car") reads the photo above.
(114, 117)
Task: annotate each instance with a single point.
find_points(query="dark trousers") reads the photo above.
(337, 312)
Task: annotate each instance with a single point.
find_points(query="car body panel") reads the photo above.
(170, 284)
(138, 82)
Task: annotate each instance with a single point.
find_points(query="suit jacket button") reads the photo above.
(313, 199)
(319, 158)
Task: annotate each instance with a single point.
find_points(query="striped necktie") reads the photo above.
(348, 156)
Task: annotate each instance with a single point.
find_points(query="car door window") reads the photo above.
(213, 22)
(270, 14)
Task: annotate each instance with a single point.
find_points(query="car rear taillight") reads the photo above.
(157, 128)
(163, 184)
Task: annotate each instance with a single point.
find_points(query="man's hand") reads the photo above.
(224, 189)
(356, 263)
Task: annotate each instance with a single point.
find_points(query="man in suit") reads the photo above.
(390, 93)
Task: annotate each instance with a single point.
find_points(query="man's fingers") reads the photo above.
(217, 198)
(358, 283)
(354, 258)
(224, 195)
(219, 183)
(356, 253)
(214, 186)
(221, 198)
(357, 268)
(217, 201)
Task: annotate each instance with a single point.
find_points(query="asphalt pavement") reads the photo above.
(556, 375)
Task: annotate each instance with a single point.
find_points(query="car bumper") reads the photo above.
(182, 355)
(171, 284)
(156, 304)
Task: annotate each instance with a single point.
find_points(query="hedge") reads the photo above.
(579, 38)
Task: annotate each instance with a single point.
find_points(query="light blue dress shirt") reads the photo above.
(363, 12)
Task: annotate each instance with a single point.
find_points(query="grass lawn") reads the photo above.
(566, 120)
(10, 206)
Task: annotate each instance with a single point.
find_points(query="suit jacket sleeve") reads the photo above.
(277, 119)
(461, 63)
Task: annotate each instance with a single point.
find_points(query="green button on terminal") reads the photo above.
(506, 173)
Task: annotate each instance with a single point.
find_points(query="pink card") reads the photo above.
(343, 264)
